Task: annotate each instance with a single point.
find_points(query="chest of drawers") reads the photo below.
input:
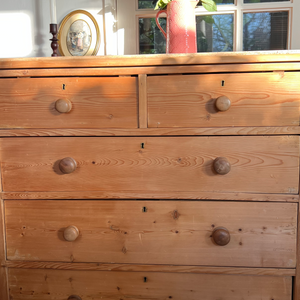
(150, 177)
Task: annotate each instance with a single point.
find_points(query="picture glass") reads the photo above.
(79, 38)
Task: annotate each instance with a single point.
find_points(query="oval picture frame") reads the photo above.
(79, 34)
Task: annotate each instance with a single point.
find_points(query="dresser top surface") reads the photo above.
(150, 60)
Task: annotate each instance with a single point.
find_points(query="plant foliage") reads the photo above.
(209, 5)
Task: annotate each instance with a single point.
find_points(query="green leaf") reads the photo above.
(161, 4)
(208, 19)
(209, 5)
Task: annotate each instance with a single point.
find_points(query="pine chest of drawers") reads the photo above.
(150, 177)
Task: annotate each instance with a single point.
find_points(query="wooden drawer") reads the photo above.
(151, 232)
(96, 102)
(257, 99)
(140, 165)
(59, 285)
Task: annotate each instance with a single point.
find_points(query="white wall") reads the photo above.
(25, 24)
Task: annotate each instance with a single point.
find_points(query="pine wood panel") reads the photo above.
(149, 268)
(151, 60)
(289, 130)
(196, 195)
(296, 285)
(177, 69)
(257, 99)
(59, 285)
(96, 102)
(143, 101)
(175, 233)
(3, 269)
(145, 164)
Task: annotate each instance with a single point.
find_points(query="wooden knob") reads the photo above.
(223, 103)
(71, 233)
(221, 236)
(63, 105)
(222, 166)
(74, 297)
(67, 165)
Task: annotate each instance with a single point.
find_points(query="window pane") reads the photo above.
(215, 33)
(220, 2)
(151, 40)
(265, 31)
(261, 1)
(146, 4)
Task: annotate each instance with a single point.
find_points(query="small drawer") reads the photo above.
(215, 100)
(83, 285)
(68, 103)
(149, 232)
(138, 166)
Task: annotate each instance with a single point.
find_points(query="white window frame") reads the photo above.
(237, 9)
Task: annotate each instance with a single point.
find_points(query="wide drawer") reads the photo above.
(93, 103)
(150, 232)
(151, 164)
(59, 285)
(257, 99)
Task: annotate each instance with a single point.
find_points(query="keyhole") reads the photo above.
(144, 209)
(63, 86)
(223, 83)
(142, 145)
(145, 279)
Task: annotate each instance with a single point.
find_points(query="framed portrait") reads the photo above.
(79, 34)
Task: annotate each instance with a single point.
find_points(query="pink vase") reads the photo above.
(181, 26)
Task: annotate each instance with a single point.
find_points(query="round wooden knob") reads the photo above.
(221, 236)
(74, 297)
(71, 233)
(67, 165)
(223, 103)
(222, 166)
(63, 105)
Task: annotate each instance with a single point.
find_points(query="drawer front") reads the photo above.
(147, 164)
(58, 285)
(151, 232)
(93, 103)
(262, 99)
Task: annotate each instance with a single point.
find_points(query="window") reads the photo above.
(238, 25)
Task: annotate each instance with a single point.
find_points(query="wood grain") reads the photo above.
(139, 232)
(151, 60)
(3, 269)
(117, 195)
(143, 101)
(257, 99)
(58, 285)
(296, 284)
(177, 69)
(150, 268)
(134, 164)
(96, 102)
(223, 131)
